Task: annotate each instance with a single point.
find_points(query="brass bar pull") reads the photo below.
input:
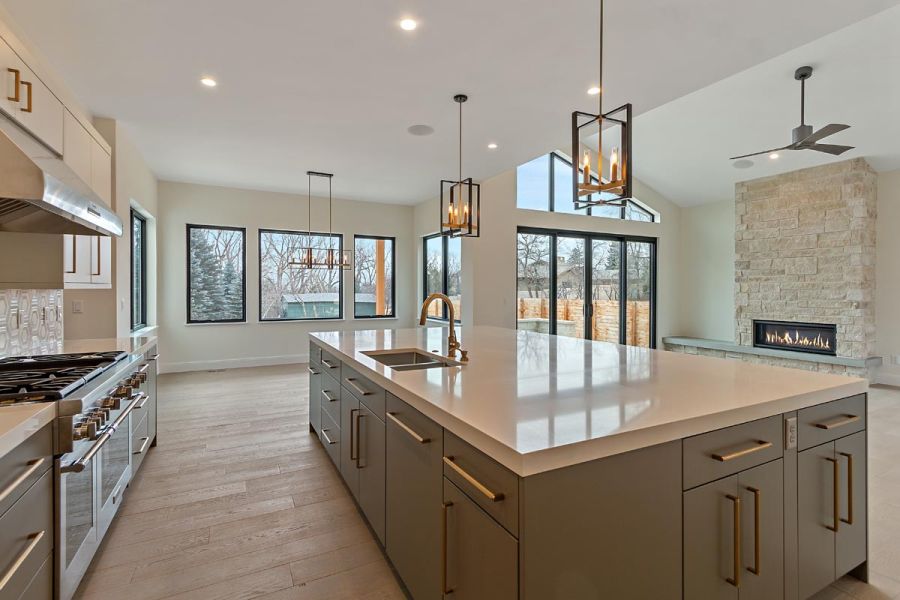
(757, 500)
(836, 472)
(312, 371)
(838, 422)
(736, 567)
(328, 396)
(28, 106)
(328, 364)
(444, 589)
(17, 80)
(20, 560)
(407, 428)
(74, 255)
(492, 496)
(756, 447)
(849, 457)
(359, 389)
(354, 437)
(328, 440)
(33, 466)
(144, 442)
(97, 238)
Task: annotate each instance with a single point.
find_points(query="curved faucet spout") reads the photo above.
(452, 343)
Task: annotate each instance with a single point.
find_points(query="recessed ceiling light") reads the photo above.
(420, 130)
(593, 91)
(408, 24)
(208, 81)
(773, 156)
(742, 164)
(492, 146)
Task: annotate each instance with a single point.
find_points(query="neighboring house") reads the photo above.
(322, 305)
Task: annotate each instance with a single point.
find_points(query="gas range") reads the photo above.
(50, 377)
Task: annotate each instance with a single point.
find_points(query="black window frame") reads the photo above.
(445, 279)
(136, 216)
(588, 236)
(551, 195)
(243, 230)
(393, 240)
(340, 239)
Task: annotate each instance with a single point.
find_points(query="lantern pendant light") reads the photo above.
(321, 258)
(607, 185)
(460, 208)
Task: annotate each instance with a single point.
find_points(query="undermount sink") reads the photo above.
(410, 359)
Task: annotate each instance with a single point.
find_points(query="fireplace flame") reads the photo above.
(797, 340)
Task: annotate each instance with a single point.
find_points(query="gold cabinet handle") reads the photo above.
(74, 256)
(838, 422)
(836, 472)
(492, 496)
(17, 564)
(328, 396)
(735, 580)
(99, 269)
(33, 466)
(849, 457)
(17, 79)
(144, 442)
(354, 437)
(446, 509)
(757, 500)
(359, 389)
(328, 440)
(328, 364)
(28, 106)
(756, 447)
(407, 428)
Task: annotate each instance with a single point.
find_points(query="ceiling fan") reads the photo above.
(802, 136)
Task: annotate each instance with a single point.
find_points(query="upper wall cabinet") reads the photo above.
(87, 158)
(29, 102)
(87, 261)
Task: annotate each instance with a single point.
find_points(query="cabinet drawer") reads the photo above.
(331, 365)
(140, 443)
(23, 466)
(330, 397)
(41, 586)
(331, 439)
(26, 536)
(365, 391)
(491, 485)
(723, 452)
(827, 422)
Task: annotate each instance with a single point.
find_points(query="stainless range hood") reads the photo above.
(39, 193)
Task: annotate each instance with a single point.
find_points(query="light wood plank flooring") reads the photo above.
(239, 501)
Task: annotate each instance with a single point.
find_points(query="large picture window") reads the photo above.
(216, 274)
(288, 292)
(587, 286)
(373, 277)
(443, 273)
(138, 271)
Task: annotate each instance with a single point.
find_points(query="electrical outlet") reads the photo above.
(790, 433)
(77, 307)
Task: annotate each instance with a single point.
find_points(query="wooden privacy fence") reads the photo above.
(605, 325)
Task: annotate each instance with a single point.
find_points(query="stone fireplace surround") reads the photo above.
(804, 251)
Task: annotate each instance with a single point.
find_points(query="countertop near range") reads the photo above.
(536, 402)
(137, 344)
(20, 421)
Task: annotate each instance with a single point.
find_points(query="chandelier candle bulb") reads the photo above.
(614, 165)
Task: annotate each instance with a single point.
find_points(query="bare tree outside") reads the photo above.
(288, 291)
(215, 274)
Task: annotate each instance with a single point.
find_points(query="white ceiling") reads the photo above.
(333, 85)
(682, 148)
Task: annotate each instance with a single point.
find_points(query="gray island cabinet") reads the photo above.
(769, 508)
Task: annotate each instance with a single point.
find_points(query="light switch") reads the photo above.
(77, 307)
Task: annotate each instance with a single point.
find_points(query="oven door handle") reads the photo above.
(79, 465)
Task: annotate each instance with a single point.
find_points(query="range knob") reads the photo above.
(111, 403)
(84, 429)
(123, 391)
(98, 418)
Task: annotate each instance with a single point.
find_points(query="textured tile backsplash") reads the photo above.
(30, 320)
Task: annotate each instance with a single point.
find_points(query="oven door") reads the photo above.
(114, 473)
(76, 532)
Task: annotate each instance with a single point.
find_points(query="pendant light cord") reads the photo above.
(600, 95)
(309, 207)
(803, 102)
(460, 143)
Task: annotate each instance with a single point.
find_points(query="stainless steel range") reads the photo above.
(102, 433)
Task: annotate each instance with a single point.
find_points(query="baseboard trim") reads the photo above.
(887, 378)
(232, 363)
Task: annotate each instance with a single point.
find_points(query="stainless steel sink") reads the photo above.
(410, 359)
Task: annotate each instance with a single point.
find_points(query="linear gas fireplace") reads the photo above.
(814, 338)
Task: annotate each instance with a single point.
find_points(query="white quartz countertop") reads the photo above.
(536, 402)
(18, 422)
(136, 344)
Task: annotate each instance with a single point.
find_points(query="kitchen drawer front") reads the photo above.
(143, 409)
(23, 466)
(490, 485)
(365, 391)
(315, 354)
(724, 452)
(828, 422)
(330, 396)
(331, 365)
(412, 422)
(41, 586)
(331, 439)
(26, 537)
(140, 443)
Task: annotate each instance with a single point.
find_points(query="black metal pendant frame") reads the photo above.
(620, 119)
(460, 208)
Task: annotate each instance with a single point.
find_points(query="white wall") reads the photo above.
(706, 271)
(887, 276)
(489, 261)
(205, 346)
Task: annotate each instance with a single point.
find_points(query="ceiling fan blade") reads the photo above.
(791, 147)
(828, 148)
(822, 133)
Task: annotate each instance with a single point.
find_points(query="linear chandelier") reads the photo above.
(460, 209)
(603, 187)
(313, 257)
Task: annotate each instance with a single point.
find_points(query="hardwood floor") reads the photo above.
(239, 501)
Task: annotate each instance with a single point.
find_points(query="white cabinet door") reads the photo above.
(77, 259)
(77, 147)
(101, 172)
(31, 103)
(9, 60)
(101, 260)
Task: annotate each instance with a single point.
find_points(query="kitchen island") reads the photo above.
(549, 467)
